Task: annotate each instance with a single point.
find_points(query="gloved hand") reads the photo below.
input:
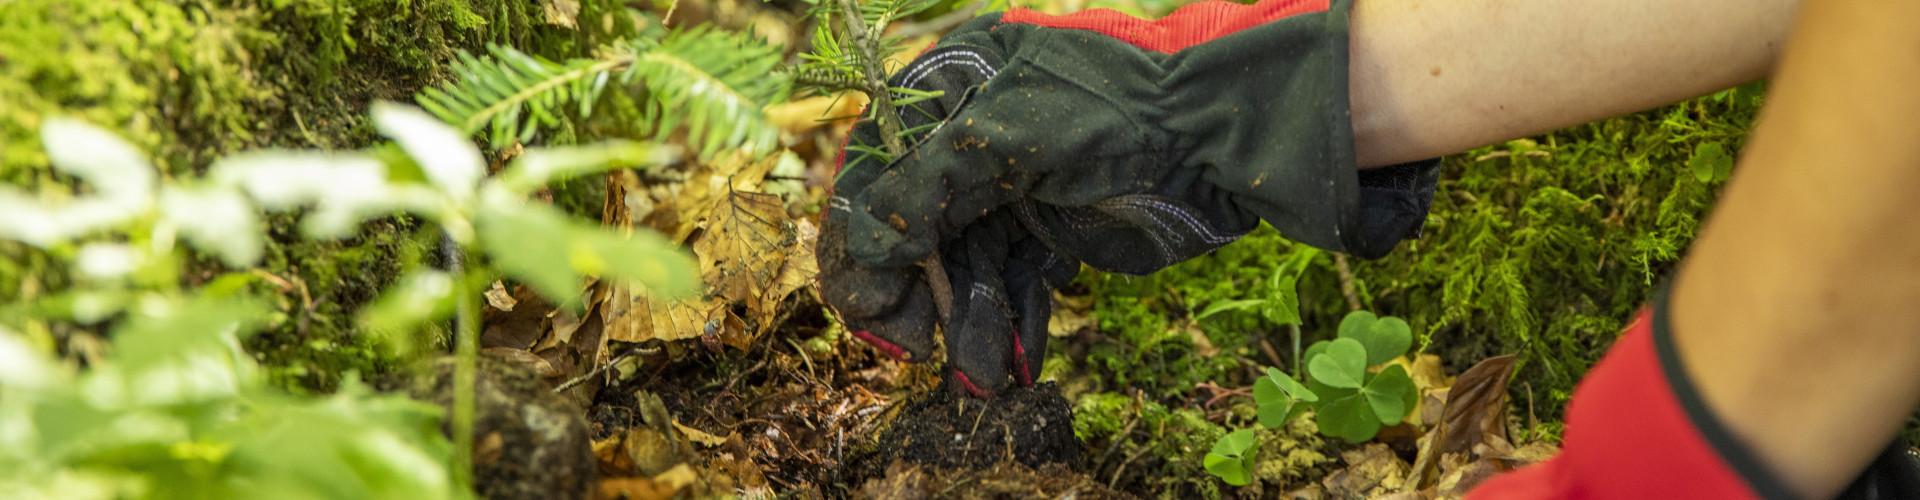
(1126, 144)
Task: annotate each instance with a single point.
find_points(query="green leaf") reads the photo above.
(1387, 394)
(117, 170)
(539, 245)
(343, 188)
(1276, 398)
(1228, 305)
(1229, 459)
(539, 167)
(1346, 415)
(712, 82)
(532, 244)
(1342, 366)
(215, 219)
(122, 184)
(419, 297)
(1384, 338)
(450, 161)
(644, 260)
(1292, 387)
(1710, 162)
(1284, 307)
(1315, 349)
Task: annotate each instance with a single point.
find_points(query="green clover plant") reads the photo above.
(1350, 387)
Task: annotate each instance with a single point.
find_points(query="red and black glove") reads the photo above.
(1096, 137)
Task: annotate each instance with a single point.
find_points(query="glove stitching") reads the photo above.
(1206, 232)
(927, 67)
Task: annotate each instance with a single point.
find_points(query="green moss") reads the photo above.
(1542, 247)
(1546, 247)
(1158, 448)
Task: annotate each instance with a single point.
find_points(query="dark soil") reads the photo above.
(1031, 426)
(1005, 480)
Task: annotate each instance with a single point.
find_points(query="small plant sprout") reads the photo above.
(1232, 458)
(1351, 388)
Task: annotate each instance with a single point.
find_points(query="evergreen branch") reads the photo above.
(866, 45)
(715, 80)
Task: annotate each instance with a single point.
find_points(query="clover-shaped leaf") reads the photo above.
(1387, 394)
(1230, 458)
(1384, 338)
(1276, 398)
(1342, 365)
(1710, 162)
(1345, 414)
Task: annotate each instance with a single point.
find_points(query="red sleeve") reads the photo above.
(1637, 429)
(1190, 25)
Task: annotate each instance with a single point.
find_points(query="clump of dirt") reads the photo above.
(1004, 480)
(528, 442)
(1032, 426)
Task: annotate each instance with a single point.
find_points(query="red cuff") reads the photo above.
(1631, 434)
(1187, 26)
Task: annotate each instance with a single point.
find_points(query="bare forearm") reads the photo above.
(1435, 77)
(1795, 312)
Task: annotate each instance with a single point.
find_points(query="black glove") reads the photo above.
(1096, 137)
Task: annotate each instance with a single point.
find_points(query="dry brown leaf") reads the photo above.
(562, 13)
(1476, 406)
(1371, 471)
(680, 476)
(635, 488)
(746, 242)
(519, 328)
(611, 453)
(1428, 379)
(804, 115)
(1202, 345)
(1427, 373)
(634, 318)
(1070, 315)
(799, 270)
(499, 298)
(698, 436)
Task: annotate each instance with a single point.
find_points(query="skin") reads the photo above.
(1436, 77)
(1795, 311)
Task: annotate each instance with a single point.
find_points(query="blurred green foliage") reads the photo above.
(192, 80)
(175, 409)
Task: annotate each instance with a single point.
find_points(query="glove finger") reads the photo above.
(906, 332)
(854, 290)
(980, 333)
(1032, 274)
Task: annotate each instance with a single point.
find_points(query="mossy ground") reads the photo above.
(1542, 247)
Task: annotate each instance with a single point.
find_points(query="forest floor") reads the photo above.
(1536, 253)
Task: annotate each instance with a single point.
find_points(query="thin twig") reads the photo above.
(1346, 281)
(598, 370)
(866, 45)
